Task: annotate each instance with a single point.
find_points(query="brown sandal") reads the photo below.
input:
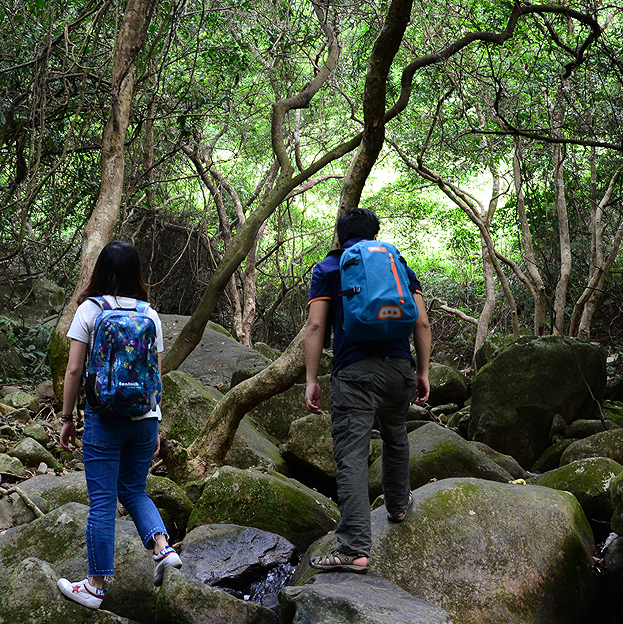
(338, 561)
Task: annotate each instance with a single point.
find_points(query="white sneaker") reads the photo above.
(83, 593)
(166, 558)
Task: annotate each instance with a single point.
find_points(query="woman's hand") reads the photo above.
(68, 434)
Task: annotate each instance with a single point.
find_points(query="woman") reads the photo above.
(118, 448)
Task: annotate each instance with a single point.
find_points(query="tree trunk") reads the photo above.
(207, 452)
(101, 225)
(385, 48)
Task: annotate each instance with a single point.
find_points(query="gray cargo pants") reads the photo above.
(382, 387)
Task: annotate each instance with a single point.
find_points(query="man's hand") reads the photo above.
(423, 389)
(312, 397)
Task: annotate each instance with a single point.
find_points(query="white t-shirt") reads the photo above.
(83, 324)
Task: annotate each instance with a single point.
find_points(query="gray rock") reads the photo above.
(439, 453)
(22, 415)
(355, 599)
(486, 552)
(447, 385)
(267, 501)
(517, 393)
(183, 600)
(45, 390)
(31, 453)
(186, 405)
(550, 460)
(310, 446)
(216, 357)
(214, 552)
(253, 448)
(589, 481)
(33, 597)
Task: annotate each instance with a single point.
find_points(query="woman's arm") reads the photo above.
(77, 353)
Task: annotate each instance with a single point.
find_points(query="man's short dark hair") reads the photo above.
(357, 223)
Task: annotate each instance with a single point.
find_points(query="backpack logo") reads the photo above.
(376, 296)
(122, 375)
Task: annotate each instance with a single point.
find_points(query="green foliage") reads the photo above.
(25, 351)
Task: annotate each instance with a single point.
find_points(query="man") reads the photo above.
(370, 378)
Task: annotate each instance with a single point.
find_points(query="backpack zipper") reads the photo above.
(395, 272)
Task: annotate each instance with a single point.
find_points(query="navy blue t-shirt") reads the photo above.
(326, 286)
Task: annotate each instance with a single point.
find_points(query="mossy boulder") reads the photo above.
(486, 552)
(550, 459)
(11, 468)
(267, 501)
(490, 347)
(254, 447)
(584, 427)
(33, 597)
(186, 405)
(589, 480)
(447, 385)
(616, 499)
(604, 444)
(517, 393)
(22, 399)
(169, 497)
(508, 463)
(310, 446)
(613, 410)
(279, 412)
(440, 453)
(183, 600)
(31, 453)
(59, 539)
(37, 432)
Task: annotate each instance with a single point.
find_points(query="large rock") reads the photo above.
(253, 447)
(32, 301)
(217, 356)
(183, 600)
(355, 599)
(486, 552)
(279, 412)
(550, 460)
(440, 453)
(310, 446)
(589, 481)
(172, 502)
(267, 501)
(33, 597)
(237, 555)
(186, 405)
(59, 539)
(510, 464)
(517, 393)
(604, 444)
(22, 399)
(447, 385)
(616, 499)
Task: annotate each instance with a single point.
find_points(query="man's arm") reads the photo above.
(422, 342)
(314, 341)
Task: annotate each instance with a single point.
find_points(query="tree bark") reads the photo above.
(383, 52)
(207, 452)
(101, 225)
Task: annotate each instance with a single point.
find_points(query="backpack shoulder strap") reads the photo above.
(141, 306)
(101, 302)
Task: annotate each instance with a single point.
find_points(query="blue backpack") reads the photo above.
(122, 375)
(376, 293)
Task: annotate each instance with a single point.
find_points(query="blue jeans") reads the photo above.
(117, 456)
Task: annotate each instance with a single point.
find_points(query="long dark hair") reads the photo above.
(117, 272)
